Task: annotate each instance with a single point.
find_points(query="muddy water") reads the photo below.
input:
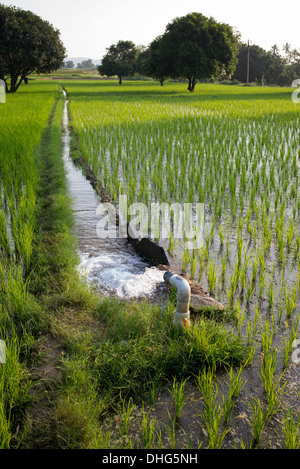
(111, 264)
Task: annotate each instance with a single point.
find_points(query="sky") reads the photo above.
(89, 27)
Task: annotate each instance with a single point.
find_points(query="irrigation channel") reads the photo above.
(111, 264)
(115, 268)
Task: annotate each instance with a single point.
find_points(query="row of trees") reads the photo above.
(193, 46)
(84, 64)
(258, 65)
(198, 48)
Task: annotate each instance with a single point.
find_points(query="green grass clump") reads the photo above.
(143, 347)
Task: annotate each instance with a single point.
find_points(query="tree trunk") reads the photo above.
(13, 84)
(192, 82)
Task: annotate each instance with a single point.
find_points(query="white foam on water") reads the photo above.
(120, 275)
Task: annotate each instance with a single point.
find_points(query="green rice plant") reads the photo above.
(271, 294)
(249, 291)
(185, 259)
(235, 386)
(223, 269)
(243, 276)
(288, 341)
(272, 388)
(179, 397)
(172, 244)
(148, 430)
(290, 231)
(171, 431)
(240, 316)
(253, 326)
(221, 232)
(202, 255)
(212, 275)
(290, 299)
(262, 282)
(254, 270)
(290, 428)
(258, 419)
(126, 417)
(267, 336)
(212, 414)
(193, 262)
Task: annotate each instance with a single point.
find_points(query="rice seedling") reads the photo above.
(179, 397)
(290, 299)
(272, 389)
(212, 275)
(171, 431)
(212, 414)
(288, 342)
(127, 417)
(290, 428)
(258, 418)
(235, 385)
(148, 430)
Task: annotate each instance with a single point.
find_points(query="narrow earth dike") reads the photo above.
(63, 307)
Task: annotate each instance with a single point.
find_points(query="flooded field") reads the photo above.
(235, 150)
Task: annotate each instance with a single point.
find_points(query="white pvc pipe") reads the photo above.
(182, 313)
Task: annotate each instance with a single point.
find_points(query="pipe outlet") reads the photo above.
(182, 313)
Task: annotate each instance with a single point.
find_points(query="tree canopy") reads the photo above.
(157, 63)
(264, 66)
(27, 44)
(119, 60)
(196, 47)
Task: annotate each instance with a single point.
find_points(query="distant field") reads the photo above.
(71, 73)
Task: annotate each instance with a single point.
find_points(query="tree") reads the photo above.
(257, 64)
(27, 44)
(265, 66)
(141, 59)
(86, 64)
(69, 64)
(119, 60)
(157, 62)
(275, 49)
(287, 50)
(199, 48)
(295, 55)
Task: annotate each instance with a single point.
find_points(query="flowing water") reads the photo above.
(111, 264)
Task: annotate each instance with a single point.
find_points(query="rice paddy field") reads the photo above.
(234, 149)
(233, 378)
